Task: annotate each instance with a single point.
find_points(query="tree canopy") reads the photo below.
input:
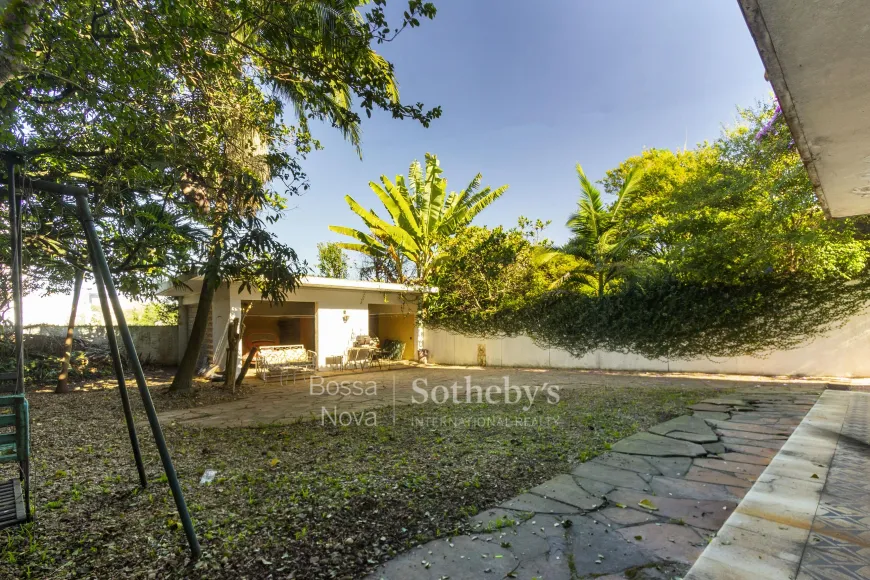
(738, 210)
(179, 101)
(729, 254)
(422, 214)
(332, 261)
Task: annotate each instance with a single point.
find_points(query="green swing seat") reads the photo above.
(15, 448)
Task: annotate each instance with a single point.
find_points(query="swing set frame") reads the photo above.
(109, 304)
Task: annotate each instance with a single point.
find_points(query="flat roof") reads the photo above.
(817, 54)
(320, 282)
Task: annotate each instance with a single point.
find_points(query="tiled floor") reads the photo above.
(839, 544)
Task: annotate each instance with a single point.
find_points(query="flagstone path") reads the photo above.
(645, 510)
(808, 515)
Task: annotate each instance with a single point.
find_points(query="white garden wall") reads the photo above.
(844, 352)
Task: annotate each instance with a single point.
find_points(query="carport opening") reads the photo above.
(288, 323)
(393, 322)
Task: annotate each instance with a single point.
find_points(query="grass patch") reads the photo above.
(303, 499)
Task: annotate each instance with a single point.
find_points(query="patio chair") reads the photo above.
(359, 357)
(392, 350)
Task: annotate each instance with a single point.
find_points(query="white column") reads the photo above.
(182, 328)
(220, 315)
(235, 307)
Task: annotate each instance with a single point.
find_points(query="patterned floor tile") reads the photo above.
(839, 545)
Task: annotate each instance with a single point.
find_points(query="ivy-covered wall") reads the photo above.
(843, 352)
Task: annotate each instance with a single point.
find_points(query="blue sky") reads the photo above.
(529, 89)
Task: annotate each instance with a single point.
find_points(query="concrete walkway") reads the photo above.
(645, 510)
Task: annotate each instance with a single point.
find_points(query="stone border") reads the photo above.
(766, 535)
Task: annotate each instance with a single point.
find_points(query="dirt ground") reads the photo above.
(322, 396)
(298, 498)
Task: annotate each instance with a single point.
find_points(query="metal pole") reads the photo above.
(15, 247)
(100, 261)
(119, 369)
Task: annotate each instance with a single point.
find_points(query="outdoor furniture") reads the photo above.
(15, 448)
(360, 356)
(284, 360)
(391, 350)
(335, 361)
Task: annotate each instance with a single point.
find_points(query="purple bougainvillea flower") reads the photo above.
(769, 125)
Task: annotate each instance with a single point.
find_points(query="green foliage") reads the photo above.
(158, 313)
(423, 216)
(662, 317)
(600, 252)
(738, 210)
(181, 105)
(730, 254)
(484, 277)
(332, 261)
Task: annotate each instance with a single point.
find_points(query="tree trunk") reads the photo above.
(183, 380)
(63, 377)
(17, 21)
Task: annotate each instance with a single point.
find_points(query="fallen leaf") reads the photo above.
(645, 503)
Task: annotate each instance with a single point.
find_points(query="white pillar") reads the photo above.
(235, 306)
(182, 328)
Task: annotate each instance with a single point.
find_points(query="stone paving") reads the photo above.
(644, 510)
(808, 515)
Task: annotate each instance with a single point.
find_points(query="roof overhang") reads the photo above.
(817, 57)
(194, 283)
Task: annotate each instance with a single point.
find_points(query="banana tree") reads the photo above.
(599, 252)
(421, 216)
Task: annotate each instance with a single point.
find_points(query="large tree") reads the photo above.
(738, 210)
(422, 216)
(185, 101)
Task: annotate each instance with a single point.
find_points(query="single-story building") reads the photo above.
(324, 314)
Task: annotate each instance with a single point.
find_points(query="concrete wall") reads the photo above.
(154, 344)
(394, 322)
(844, 352)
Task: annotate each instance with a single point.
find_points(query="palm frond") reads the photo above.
(409, 218)
(387, 199)
(629, 186)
